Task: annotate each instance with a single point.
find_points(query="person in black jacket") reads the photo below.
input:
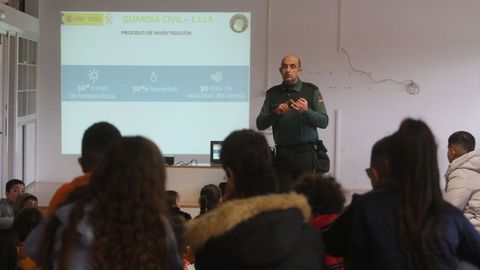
(173, 204)
(254, 228)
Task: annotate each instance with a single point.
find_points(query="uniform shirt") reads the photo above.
(293, 128)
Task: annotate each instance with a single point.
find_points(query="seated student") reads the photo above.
(173, 203)
(378, 172)
(326, 198)
(25, 200)
(13, 188)
(406, 224)
(118, 221)
(210, 198)
(254, 228)
(463, 176)
(95, 141)
(25, 221)
(8, 249)
(336, 237)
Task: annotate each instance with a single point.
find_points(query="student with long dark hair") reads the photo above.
(406, 224)
(118, 221)
(255, 228)
(210, 198)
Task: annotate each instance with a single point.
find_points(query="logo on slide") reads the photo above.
(94, 75)
(239, 23)
(217, 76)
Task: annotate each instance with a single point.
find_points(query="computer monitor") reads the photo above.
(215, 148)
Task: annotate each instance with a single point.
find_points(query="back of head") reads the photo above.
(132, 175)
(413, 159)
(462, 139)
(378, 161)
(325, 195)
(171, 198)
(25, 221)
(210, 197)
(96, 139)
(21, 200)
(415, 176)
(8, 249)
(246, 154)
(11, 183)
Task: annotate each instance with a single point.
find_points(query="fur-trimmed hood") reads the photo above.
(232, 213)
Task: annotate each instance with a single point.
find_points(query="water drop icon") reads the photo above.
(153, 77)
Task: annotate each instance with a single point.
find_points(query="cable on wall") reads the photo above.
(192, 162)
(411, 86)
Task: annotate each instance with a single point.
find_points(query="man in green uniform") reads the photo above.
(295, 110)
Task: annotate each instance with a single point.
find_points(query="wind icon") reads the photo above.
(217, 76)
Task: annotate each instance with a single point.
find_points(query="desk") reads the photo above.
(189, 180)
(186, 180)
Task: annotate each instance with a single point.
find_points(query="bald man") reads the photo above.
(295, 110)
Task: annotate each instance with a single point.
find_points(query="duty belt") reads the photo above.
(298, 148)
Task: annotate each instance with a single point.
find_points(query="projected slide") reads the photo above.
(181, 79)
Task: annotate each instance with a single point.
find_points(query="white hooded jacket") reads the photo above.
(463, 186)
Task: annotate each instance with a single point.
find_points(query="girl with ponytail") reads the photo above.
(406, 224)
(210, 198)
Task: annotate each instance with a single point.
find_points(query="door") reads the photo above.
(3, 113)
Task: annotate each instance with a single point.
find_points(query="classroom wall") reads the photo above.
(18, 22)
(432, 42)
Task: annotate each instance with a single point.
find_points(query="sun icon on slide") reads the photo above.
(94, 75)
